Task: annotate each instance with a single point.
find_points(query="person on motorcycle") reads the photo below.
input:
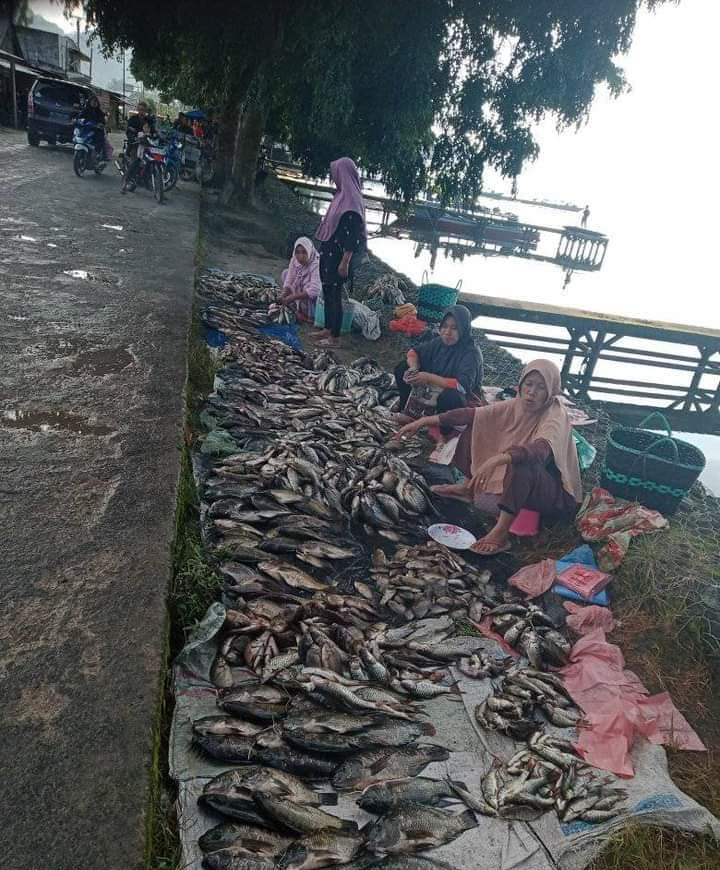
(141, 123)
(92, 112)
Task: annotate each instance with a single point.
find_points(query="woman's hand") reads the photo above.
(411, 429)
(418, 378)
(482, 476)
(344, 265)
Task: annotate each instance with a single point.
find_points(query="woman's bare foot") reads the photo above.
(492, 544)
(329, 342)
(319, 334)
(452, 490)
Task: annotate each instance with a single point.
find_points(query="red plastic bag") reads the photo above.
(535, 579)
(409, 325)
(583, 619)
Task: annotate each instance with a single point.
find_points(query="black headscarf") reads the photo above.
(462, 361)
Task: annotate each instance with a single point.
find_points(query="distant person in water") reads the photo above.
(449, 368)
(301, 280)
(343, 237)
(585, 216)
(515, 454)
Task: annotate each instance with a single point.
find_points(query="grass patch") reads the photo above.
(645, 847)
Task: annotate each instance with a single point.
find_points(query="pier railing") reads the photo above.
(686, 358)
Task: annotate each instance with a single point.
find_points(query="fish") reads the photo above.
(300, 817)
(380, 765)
(232, 793)
(414, 827)
(225, 726)
(273, 750)
(382, 797)
(321, 849)
(291, 576)
(229, 859)
(391, 734)
(261, 702)
(250, 839)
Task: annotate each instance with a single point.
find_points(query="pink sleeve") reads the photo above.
(290, 275)
(312, 285)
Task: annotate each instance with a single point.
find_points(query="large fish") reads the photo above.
(300, 817)
(381, 765)
(233, 793)
(322, 849)
(384, 796)
(414, 827)
(249, 839)
(389, 734)
(230, 859)
(261, 702)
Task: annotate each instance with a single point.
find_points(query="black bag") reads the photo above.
(656, 470)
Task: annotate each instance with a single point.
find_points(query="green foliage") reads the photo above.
(425, 95)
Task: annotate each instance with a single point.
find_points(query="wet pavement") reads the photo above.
(95, 296)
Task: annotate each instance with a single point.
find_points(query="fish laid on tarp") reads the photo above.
(379, 765)
(300, 817)
(382, 797)
(322, 849)
(242, 838)
(414, 827)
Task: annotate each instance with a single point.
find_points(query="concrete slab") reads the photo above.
(95, 298)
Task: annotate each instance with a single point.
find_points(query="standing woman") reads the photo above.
(342, 236)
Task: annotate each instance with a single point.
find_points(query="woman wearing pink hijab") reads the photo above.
(341, 235)
(515, 454)
(301, 280)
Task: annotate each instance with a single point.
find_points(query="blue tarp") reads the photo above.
(288, 334)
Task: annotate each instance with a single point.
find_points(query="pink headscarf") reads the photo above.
(507, 424)
(307, 277)
(348, 197)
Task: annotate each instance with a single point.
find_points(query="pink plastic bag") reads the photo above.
(603, 517)
(108, 149)
(535, 579)
(583, 619)
(584, 580)
(617, 707)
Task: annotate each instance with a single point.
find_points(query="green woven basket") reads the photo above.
(434, 299)
(656, 470)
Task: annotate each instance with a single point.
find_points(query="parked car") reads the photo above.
(53, 105)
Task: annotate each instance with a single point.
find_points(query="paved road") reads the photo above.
(92, 366)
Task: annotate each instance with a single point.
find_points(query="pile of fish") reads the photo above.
(548, 775)
(297, 744)
(427, 580)
(528, 629)
(323, 664)
(512, 706)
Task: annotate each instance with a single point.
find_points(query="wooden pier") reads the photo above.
(591, 338)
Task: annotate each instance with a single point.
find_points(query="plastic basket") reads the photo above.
(434, 299)
(320, 317)
(656, 470)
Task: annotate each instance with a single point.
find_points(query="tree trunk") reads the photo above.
(250, 132)
(226, 145)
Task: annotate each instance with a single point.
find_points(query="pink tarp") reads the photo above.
(617, 707)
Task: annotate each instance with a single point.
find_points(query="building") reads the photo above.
(27, 53)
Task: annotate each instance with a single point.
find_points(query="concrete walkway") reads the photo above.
(92, 368)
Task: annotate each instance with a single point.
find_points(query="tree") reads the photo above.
(422, 94)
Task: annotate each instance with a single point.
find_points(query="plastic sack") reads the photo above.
(287, 334)
(534, 580)
(603, 517)
(582, 619)
(585, 451)
(408, 325)
(584, 580)
(367, 321)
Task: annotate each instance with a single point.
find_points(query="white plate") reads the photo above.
(451, 536)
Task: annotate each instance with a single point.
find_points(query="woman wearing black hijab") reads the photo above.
(450, 366)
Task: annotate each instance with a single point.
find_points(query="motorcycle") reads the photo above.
(152, 170)
(86, 153)
(171, 167)
(197, 160)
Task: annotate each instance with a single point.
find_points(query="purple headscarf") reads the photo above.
(349, 197)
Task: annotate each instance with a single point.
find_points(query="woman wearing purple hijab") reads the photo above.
(342, 236)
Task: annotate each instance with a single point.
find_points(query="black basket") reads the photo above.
(656, 470)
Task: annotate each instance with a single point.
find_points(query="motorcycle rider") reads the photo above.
(144, 123)
(92, 112)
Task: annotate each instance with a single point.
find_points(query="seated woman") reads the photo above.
(451, 363)
(515, 454)
(301, 280)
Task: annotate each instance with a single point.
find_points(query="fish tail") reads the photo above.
(328, 798)
(467, 817)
